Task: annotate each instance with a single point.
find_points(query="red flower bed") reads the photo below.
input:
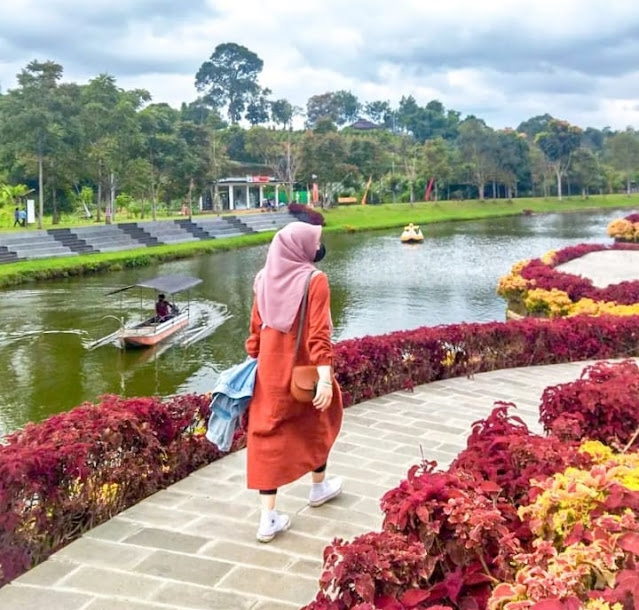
(502, 449)
(75, 470)
(596, 405)
(374, 366)
(518, 521)
(547, 277)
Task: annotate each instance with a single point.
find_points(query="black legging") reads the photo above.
(272, 492)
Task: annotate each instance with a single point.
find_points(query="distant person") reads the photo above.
(23, 217)
(162, 309)
(16, 217)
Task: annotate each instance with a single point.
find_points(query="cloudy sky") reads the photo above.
(502, 60)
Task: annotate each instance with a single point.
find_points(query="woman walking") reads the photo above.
(287, 439)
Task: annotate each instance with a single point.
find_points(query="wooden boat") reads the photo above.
(153, 331)
(412, 234)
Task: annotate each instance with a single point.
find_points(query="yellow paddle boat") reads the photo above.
(412, 234)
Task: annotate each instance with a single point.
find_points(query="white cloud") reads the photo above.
(502, 60)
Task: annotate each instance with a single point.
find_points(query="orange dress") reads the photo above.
(287, 439)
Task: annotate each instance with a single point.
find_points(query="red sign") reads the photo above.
(259, 179)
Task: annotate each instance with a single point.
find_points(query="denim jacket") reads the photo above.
(231, 397)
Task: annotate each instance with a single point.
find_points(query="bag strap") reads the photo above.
(300, 327)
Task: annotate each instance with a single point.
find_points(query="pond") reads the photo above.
(378, 285)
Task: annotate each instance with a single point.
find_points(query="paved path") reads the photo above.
(605, 268)
(193, 546)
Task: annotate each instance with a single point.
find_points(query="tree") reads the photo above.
(325, 155)
(624, 154)
(111, 132)
(347, 107)
(219, 164)
(411, 155)
(378, 112)
(512, 161)
(12, 195)
(257, 110)
(535, 125)
(367, 155)
(161, 146)
(437, 159)
(320, 107)
(584, 170)
(540, 172)
(558, 143)
(229, 79)
(35, 123)
(475, 142)
(282, 113)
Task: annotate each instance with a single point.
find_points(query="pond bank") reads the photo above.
(343, 220)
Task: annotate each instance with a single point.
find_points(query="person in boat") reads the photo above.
(287, 439)
(163, 309)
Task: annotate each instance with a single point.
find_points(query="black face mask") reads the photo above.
(320, 254)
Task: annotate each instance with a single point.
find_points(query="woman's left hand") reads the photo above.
(323, 396)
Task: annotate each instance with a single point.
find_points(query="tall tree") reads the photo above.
(512, 160)
(321, 106)
(35, 124)
(282, 112)
(347, 107)
(476, 144)
(437, 158)
(229, 78)
(162, 147)
(378, 111)
(624, 154)
(558, 142)
(585, 171)
(257, 110)
(535, 125)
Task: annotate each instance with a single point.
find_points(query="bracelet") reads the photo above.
(328, 383)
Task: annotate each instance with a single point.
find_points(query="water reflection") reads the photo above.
(378, 285)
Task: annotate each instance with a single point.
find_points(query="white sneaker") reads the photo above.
(272, 526)
(325, 491)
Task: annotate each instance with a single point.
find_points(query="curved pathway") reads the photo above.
(192, 546)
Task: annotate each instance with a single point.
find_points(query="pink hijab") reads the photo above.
(279, 286)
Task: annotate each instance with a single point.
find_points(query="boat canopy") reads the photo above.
(165, 283)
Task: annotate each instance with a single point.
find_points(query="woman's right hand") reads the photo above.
(323, 395)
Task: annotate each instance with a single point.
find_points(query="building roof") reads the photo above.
(363, 124)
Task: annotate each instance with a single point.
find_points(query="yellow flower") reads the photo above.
(599, 452)
(621, 229)
(554, 303)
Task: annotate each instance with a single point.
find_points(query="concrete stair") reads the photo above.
(267, 221)
(8, 256)
(71, 240)
(217, 227)
(107, 238)
(138, 234)
(239, 224)
(30, 244)
(34, 244)
(194, 229)
(167, 232)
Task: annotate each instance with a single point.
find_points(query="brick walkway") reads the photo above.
(193, 545)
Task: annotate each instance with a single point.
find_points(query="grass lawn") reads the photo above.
(358, 217)
(349, 218)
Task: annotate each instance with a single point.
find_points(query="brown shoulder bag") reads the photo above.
(304, 377)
